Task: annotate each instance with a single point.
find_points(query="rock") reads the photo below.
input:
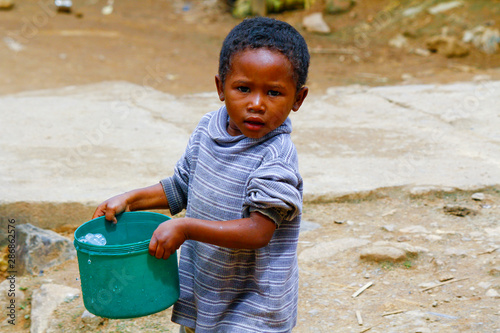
(399, 42)
(433, 238)
(459, 210)
(328, 249)
(407, 248)
(308, 226)
(12, 44)
(492, 293)
(485, 39)
(91, 320)
(383, 253)
(426, 190)
(454, 252)
(495, 271)
(442, 7)
(39, 249)
(449, 46)
(9, 289)
(388, 228)
(492, 232)
(339, 6)
(426, 285)
(412, 11)
(45, 300)
(6, 4)
(484, 285)
(406, 76)
(421, 52)
(403, 238)
(315, 23)
(478, 196)
(414, 229)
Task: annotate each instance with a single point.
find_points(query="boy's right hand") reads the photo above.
(112, 207)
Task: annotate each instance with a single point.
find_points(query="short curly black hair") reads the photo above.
(264, 32)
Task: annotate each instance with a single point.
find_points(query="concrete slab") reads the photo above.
(86, 143)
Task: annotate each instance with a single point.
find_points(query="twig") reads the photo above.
(392, 313)
(443, 283)
(360, 290)
(489, 251)
(359, 318)
(369, 328)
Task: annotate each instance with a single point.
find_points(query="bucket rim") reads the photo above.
(135, 247)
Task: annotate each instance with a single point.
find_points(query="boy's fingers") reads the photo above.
(152, 246)
(159, 252)
(98, 213)
(110, 215)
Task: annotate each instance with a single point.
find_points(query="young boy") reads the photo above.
(239, 183)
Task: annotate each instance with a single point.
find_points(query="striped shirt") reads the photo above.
(222, 177)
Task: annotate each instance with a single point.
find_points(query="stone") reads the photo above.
(495, 271)
(9, 289)
(414, 229)
(308, 226)
(45, 301)
(449, 46)
(445, 6)
(426, 190)
(388, 228)
(39, 249)
(492, 293)
(403, 238)
(316, 24)
(484, 284)
(492, 232)
(339, 6)
(382, 253)
(412, 11)
(433, 238)
(407, 248)
(91, 320)
(459, 210)
(6, 4)
(454, 252)
(399, 42)
(13, 45)
(478, 196)
(328, 249)
(483, 38)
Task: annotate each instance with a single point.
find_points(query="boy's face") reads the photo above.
(259, 92)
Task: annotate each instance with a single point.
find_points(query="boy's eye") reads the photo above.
(243, 89)
(273, 93)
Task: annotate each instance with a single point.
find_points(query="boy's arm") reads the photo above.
(151, 197)
(247, 233)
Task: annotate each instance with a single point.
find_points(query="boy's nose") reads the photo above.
(256, 103)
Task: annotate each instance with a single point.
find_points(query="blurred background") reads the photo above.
(173, 45)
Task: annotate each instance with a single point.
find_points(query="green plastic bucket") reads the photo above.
(121, 279)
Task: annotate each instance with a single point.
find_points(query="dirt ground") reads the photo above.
(461, 252)
(173, 46)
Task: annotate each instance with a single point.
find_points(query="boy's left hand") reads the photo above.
(167, 238)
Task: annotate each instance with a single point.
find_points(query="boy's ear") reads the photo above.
(299, 98)
(220, 87)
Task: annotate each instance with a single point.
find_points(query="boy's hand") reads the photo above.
(167, 238)
(112, 207)
(151, 197)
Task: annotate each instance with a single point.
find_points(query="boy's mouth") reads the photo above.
(253, 124)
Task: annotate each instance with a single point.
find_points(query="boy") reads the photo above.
(239, 183)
